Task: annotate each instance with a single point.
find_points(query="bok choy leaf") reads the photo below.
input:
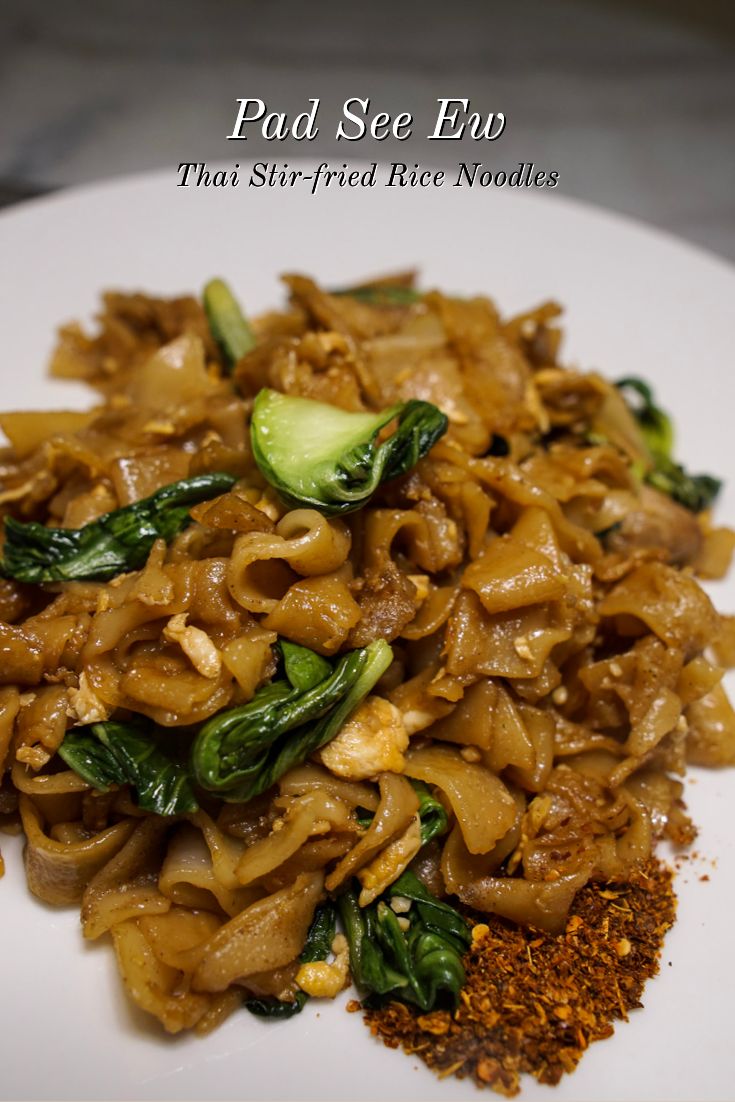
(325, 458)
(123, 753)
(420, 965)
(242, 751)
(695, 492)
(116, 542)
(434, 819)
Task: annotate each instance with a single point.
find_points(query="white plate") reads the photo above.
(638, 303)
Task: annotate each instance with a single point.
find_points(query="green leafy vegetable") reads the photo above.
(123, 753)
(303, 668)
(421, 965)
(319, 456)
(243, 751)
(656, 426)
(116, 542)
(321, 934)
(227, 322)
(695, 492)
(268, 1006)
(317, 947)
(434, 819)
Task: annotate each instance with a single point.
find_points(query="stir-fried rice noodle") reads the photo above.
(555, 661)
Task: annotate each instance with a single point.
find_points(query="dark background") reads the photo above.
(632, 102)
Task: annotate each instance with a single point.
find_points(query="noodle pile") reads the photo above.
(555, 660)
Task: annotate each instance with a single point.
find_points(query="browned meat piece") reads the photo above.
(388, 602)
(658, 523)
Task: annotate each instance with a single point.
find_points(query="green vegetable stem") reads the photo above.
(124, 753)
(434, 819)
(227, 322)
(118, 541)
(420, 965)
(243, 751)
(695, 492)
(326, 458)
(317, 947)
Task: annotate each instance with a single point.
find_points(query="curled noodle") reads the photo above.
(263, 565)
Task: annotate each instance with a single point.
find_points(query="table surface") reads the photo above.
(635, 109)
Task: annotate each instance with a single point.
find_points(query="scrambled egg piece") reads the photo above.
(323, 980)
(384, 869)
(35, 756)
(371, 742)
(416, 719)
(196, 645)
(85, 705)
(421, 581)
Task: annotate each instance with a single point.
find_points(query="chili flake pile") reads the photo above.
(533, 1002)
